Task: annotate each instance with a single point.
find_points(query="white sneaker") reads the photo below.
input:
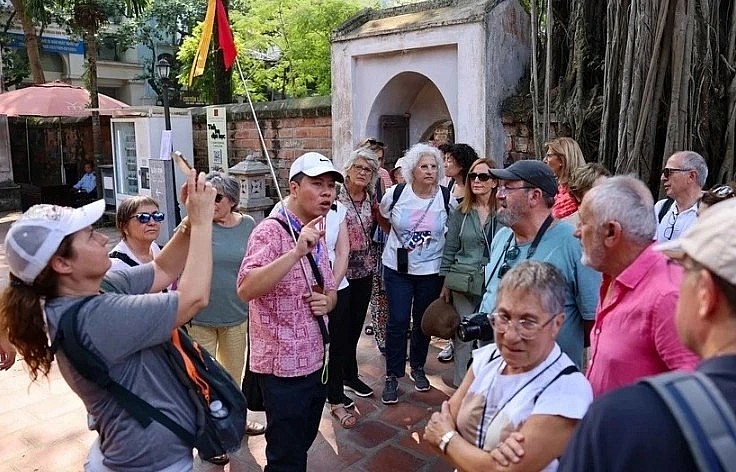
(447, 353)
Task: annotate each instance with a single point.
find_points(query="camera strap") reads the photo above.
(532, 249)
(481, 433)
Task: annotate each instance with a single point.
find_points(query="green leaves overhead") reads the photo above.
(283, 46)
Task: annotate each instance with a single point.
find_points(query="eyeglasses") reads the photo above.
(510, 255)
(483, 176)
(526, 329)
(667, 171)
(144, 218)
(362, 169)
(670, 229)
(505, 189)
(219, 197)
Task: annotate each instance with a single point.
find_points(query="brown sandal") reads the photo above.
(347, 420)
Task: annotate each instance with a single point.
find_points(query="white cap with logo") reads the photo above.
(314, 164)
(708, 242)
(35, 237)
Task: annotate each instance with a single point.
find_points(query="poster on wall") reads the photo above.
(217, 139)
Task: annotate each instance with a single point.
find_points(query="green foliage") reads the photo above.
(283, 47)
(15, 67)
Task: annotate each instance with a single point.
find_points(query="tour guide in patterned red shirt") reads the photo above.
(286, 347)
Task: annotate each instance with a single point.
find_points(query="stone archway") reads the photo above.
(407, 105)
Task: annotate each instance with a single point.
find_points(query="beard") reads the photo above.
(507, 217)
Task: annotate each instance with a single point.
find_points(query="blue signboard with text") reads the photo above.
(49, 44)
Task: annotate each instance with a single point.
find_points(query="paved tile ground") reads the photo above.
(43, 427)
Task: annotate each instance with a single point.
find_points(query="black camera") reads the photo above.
(475, 326)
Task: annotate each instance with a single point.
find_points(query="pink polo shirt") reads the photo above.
(634, 333)
(285, 340)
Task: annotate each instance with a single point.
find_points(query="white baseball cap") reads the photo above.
(708, 242)
(34, 238)
(314, 164)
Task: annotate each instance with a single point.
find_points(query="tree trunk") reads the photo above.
(31, 42)
(222, 84)
(534, 82)
(667, 77)
(91, 44)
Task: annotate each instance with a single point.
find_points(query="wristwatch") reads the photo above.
(445, 440)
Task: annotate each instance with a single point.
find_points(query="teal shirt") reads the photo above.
(561, 249)
(228, 248)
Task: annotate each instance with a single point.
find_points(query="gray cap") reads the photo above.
(534, 172)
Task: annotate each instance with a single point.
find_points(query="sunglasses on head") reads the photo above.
(722, 191)
(483, 176)
(375, 142)
(144, 218)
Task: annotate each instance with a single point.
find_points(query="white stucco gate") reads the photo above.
(446, 60)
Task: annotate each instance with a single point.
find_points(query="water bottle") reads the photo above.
(218, 410)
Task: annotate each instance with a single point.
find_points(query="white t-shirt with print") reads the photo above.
(497, 404)
(421, 225)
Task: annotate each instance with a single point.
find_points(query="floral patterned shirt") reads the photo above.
(361, 260)
(285, 339)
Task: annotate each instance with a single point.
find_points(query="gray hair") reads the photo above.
(627, 200)
(691, 160)
(369, 156)
(415, 154)
(539, 278)
(226, 185)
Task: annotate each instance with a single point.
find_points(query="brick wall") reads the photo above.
(293, 127)
(290, 128)
(519, 140)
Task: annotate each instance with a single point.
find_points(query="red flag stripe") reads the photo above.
(225, 36)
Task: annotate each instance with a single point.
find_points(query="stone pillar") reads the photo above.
(252, 176)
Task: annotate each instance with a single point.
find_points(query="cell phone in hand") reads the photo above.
(181, 161)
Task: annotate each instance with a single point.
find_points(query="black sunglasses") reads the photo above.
(510, 255)
(144, 218)
(483, 176)
(667, 171)
(219, 197)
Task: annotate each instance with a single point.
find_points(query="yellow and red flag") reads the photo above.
(215, 8)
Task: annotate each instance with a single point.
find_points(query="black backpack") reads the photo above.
(203, 377)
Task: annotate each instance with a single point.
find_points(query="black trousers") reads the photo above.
(293, 411)
(359, 298)
(338, 346)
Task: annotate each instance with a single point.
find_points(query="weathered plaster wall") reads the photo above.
(448, 56)
(506, 62)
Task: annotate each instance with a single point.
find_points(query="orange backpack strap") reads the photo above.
(198, 381)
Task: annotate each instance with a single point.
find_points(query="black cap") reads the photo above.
(534, 172)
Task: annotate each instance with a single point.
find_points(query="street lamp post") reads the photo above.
(164, 69)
